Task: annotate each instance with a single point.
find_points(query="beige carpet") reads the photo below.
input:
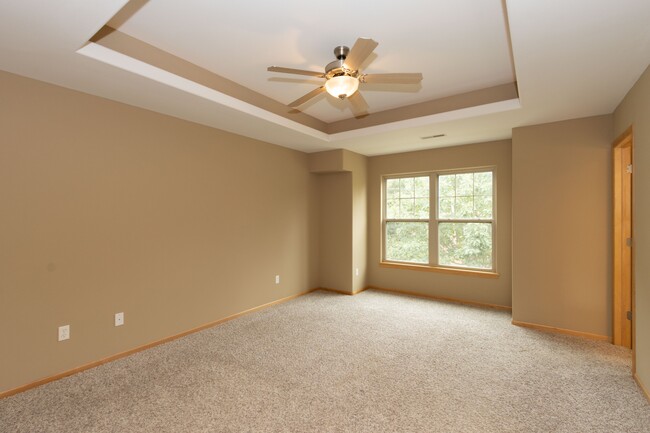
(375, 362)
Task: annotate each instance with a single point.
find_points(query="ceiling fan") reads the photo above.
(342, 76)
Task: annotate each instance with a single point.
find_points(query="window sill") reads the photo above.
(439, 269)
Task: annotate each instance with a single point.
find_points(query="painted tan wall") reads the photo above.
(634, 111)
(107, 208)
(329, 161)
(358, 166)
(343, 218)
(335, 212)
(561, 195)
(468, 288)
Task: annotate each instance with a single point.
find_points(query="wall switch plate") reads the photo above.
(64, 332)
(119, 319)
(277, 279)
(356, 272)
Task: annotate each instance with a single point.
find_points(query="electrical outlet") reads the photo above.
(277, 279)
(64, 332)
(119, 319)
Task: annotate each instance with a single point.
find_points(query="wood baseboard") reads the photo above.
(362, 290)
(93, 364)
(445, 299)
(643, 388)
(553, 329)
(342, 292)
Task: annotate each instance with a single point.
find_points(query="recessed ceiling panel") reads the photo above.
(572, 58)
(458, 45)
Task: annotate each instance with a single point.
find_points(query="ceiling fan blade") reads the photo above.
(298, 102)
(391, 78)
(358, 104)
(295, 71)
(362, 48)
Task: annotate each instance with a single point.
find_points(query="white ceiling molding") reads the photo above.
(119, 60)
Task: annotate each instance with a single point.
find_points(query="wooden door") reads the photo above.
(623, 314)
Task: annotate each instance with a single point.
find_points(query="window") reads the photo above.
(440, 220)
(407, 219)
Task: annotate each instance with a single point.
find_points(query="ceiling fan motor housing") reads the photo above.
(341, 52)
(337, 67)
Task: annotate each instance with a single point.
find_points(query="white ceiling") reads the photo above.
(572, 59)
(239, 42)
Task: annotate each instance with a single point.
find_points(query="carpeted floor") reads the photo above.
(374, 362)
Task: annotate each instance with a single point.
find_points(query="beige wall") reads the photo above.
(335, 212)
(561, 195)
(343, 218)
(329, 161)
(358, 166)
(634, 111)
(107, 208)
(463, 287)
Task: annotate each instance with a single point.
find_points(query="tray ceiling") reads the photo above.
(569, 59)
(465, 42)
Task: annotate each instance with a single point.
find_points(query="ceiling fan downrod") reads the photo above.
(337, 67)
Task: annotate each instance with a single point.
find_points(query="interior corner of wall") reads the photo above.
(352, 160)
(328, 161)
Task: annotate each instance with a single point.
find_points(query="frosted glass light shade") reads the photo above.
(342, 86)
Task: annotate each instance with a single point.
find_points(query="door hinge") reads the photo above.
(629, 315)
(628, 169)
(628, 242)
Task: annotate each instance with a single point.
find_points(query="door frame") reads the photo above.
(622, 143)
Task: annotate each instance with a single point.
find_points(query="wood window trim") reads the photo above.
(434, 221)
(440, 269)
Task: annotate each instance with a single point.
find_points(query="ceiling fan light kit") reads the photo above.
(342, 86)
(342, 76)
(341, 81)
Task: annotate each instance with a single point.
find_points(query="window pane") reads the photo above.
(421, 208)
(407, 242)
(406, 208)
(392, 188)
(447, 185)
(465, 196)
(464, 207)
(465, 245)
(417, 208)
(392, 208)
(483, 206)
(446, 208)
(483, 183)
(465, 184)
(406, 189)
(421, 186)
(407, 198)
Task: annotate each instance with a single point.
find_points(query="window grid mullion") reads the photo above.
(384, 200)
(433, 217)
(465, 220)
(399, 220)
